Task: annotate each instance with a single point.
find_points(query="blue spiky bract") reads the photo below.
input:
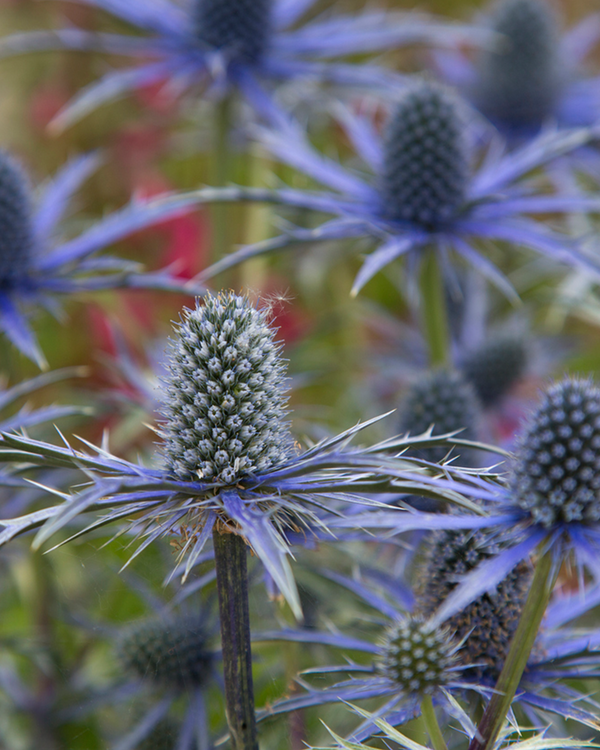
(226, 394)
(16, 230)
(444, 399)
(487, 624)
(425, 163)
(519, 83)
(496, 366)
(240, 29)
(417, 656)
(556, 468)
(171, 652)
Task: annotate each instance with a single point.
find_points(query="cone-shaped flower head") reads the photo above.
(238, 28)
(425, 162)
(418, 656)
(172, 652)
(495, 366)
(519, 82)
(226, 404)
(16, 230)
(486, 625)
(556, 469)
(444, 399)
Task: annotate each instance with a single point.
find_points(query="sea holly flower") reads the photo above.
(36, 265)
(481, 634)
(225, 44)
(535, 75)
(228, 459)
(424, 192)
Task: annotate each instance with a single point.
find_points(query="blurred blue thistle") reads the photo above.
(534, 75)
(230, 463)
(424, 193)
(35, 265)
(481, 634)
(225, 44)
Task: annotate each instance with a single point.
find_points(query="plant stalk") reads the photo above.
(222, 166)
(232, 586)
(434, 314)
(431, 724)
(520, 648)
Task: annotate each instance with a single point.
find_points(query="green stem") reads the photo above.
(232, 586)
(433, 309)
(431, 724)
(222, 166)
(520, 648)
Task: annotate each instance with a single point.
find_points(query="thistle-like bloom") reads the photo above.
(228, 457)
(225, 44)
(35, 265)
(468, 651)
(533, 75)
(424, 192)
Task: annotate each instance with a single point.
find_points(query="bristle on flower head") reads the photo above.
(495, 366)
(226, 394)
(240, 29)
(16, 231)
(425, 164)
(444, 399)
(170, 652)
(519, 83)
(487, 625)
(418, 656)
(556, 467)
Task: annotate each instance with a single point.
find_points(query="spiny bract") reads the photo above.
(16, 231)
(171, 652)
(444, 399)
(556, 467)
(487, 624)
(418, 656)
(226, 394)
(240, 29)
(425, 163)
(495, 366)
(519, 83)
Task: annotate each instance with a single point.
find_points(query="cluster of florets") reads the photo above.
(226, 395)
(174, 652)
(16, 230)
(425, 166)
(444, 399)
(556, 469)
(495, 366)
(519, 79)
(240, 29)
(487, 625)
(417, 656)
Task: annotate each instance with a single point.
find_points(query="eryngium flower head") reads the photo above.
(417, 656)
(226, 404)
(519, 83)
(16, 233)
(487, 625)
(556, 469)
(425, 167)
(444, 399)
(495, 366)
(238, 28)
(172, 652)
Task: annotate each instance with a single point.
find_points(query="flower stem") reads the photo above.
(520, 648)
(433, 309)
(222, 165)
(431, 724)
(232, 585)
